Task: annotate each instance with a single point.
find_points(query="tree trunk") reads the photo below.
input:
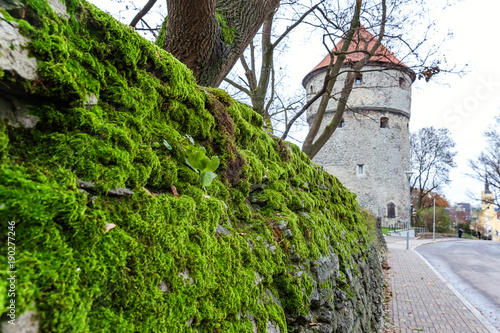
(208, 36)
(260, 92)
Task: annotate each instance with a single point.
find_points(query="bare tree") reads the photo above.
(356, 43)
(311, 146)
(358, 48)
(262, 95)
(259, 85)
(486, 167)
(431, 156)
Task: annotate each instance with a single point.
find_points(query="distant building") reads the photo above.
(370, 150)
(464, 207)
(460, 213)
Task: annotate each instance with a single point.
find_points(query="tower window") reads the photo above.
(361, 169)
(391, 210)
(402, 82)
(358, 79)
(384, 122)
(311, 89)
(342, 123)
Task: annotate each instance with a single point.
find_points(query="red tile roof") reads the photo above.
(362, 40)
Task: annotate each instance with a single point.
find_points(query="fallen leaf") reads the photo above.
(206, 196)
(149, 192)
(277, 234)
(109, 226)
(174, 191)
(241, 233)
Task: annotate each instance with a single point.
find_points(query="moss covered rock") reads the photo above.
(114, 231)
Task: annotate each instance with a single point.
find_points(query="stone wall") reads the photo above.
(116, 232)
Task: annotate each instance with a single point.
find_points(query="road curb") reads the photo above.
(469, 306)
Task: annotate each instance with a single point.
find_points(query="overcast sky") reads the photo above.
(466, 105)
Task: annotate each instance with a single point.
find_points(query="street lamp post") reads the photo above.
(408, 176)
(434, 221)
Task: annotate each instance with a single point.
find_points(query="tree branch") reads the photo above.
(293, 26)
(238, 86)
(316, 123)
(142, 12)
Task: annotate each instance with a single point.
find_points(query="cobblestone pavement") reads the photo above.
(421, 301)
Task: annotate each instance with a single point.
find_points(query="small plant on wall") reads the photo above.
(196, 159)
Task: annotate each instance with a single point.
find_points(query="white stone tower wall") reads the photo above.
(380, 87)
(383, 152)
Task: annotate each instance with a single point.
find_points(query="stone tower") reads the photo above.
(370, 150)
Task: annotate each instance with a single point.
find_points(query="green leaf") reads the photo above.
(207, 178)
(189, 164)
(196, 160)
(213, 164)
(169, 147)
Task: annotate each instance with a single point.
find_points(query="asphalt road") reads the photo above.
(473, 268)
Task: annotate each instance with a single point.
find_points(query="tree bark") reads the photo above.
(194, 35)
(260, 92)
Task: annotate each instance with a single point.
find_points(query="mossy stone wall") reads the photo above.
(114, 232)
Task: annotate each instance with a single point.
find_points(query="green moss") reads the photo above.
(227, 31)
(160, 41)
(80, 278)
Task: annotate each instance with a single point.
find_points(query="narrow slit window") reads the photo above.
(361, 169)
(342, 123)
(402, 82)
(358, 79)
(311, 89)
(384, 122)
(391, 210)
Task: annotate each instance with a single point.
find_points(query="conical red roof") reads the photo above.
(362, 41)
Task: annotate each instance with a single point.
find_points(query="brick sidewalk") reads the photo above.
(420, 300)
